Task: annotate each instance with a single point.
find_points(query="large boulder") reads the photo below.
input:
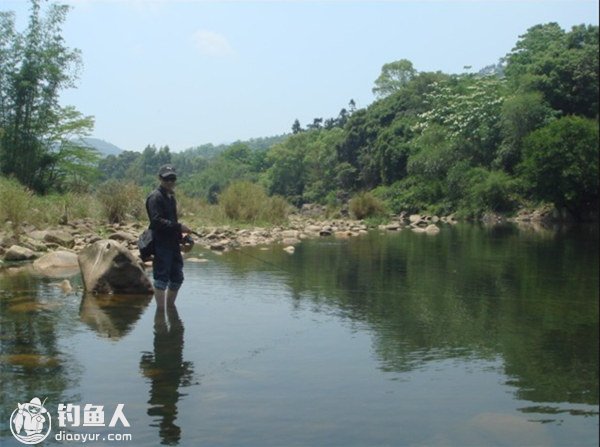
(109, 267)
(58, 264)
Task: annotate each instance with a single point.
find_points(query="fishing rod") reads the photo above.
(270, 264)
(244, 253)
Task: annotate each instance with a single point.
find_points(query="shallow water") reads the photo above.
(475, 336)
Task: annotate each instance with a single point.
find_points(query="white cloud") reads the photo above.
(210, 43)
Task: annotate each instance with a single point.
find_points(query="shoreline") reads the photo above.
(76, 235)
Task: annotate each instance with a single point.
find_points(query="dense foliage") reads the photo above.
(521, 132)
(36, 133)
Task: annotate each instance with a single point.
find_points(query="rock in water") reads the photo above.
(432, 229)
(65, 286)
(56, 260)
(109, 267)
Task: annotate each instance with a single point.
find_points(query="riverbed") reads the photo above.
(473, 336)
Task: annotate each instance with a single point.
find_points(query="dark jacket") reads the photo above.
(162, 212)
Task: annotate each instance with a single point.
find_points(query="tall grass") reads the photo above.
(15, 203)
(197, 211)
(115, 202)
(248, 202)
(63, 208)
(20, 206)
(364, 205)
(120, 199)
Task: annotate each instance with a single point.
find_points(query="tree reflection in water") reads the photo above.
(34, 317)
(167, 371)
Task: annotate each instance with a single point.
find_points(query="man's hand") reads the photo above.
(185, 229)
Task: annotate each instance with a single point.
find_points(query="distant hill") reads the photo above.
(254, 144)
(104, 147)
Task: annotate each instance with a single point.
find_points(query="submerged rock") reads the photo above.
(65, 286)
(432, 229)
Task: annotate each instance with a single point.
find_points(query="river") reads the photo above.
(475, 336)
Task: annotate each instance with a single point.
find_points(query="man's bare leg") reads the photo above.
(171, 296)
(159, 295)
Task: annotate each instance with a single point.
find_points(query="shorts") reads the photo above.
(167, 267)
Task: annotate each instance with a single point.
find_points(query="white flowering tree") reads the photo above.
(468, 108)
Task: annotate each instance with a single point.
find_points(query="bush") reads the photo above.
(15, 203)
(365, 204)
(118, 199)
(247, 202)
(80, 206)
(413, 195)
(491, 191)
(197, 211)
(277, 210)
(560, 163)
(243, 201)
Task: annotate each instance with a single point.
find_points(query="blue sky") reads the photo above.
(187, 73)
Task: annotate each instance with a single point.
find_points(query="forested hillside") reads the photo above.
(518, 133)
(524, 132)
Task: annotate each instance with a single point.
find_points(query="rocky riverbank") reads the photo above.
(309, 223)
(76, 235)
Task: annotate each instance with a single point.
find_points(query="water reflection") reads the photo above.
(167, 371)
(468, 293)
(32, 326)
(112, 316)
(465, 338)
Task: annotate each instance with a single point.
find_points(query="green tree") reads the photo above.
(321, 165)
(433, 154)
(468, 107)
(563, 66)
(304, 168)
(35, 66)
(393, 77)
(376, 140)
(316, 124)
(145, 168)
(76, 168)
(560, 162)
(296, 127)
(216, 176)
(238, 152)
(117, 166)
(286, 175)
(189, 162)
(521, 114)
(394, 148)
(473, 191)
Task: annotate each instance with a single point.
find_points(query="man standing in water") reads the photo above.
(167, 234)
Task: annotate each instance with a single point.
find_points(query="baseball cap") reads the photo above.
(167, 171)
